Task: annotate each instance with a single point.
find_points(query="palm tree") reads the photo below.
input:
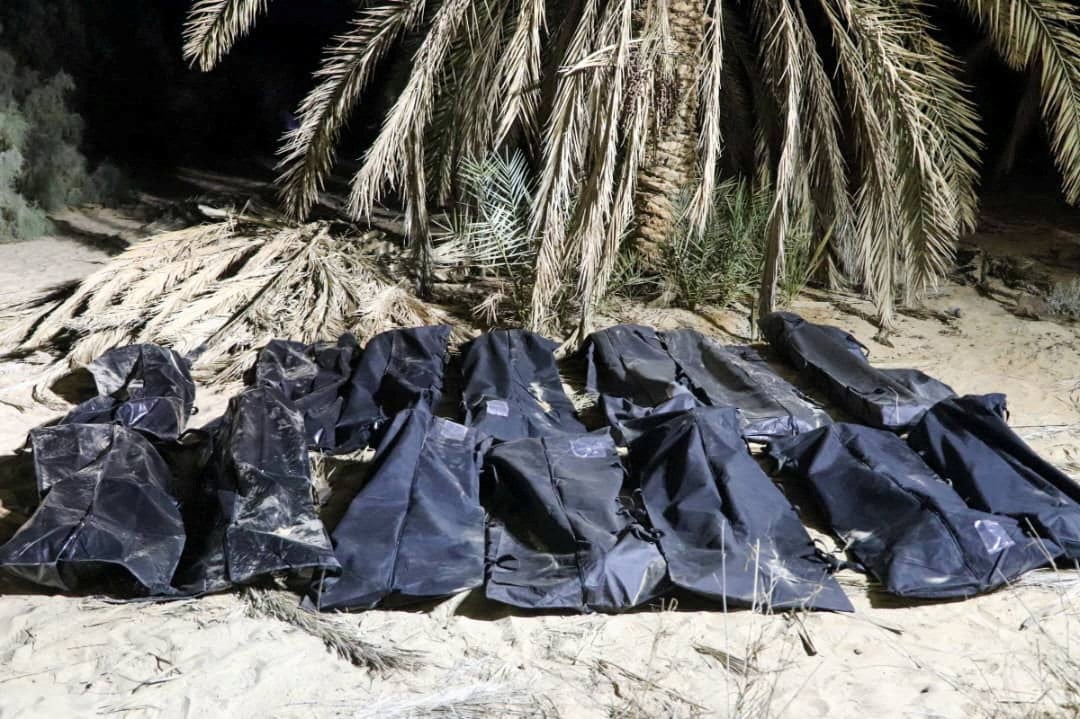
(853, 109)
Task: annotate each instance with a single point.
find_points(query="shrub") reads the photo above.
(724, 262)
(41, 166)
(1064, 299)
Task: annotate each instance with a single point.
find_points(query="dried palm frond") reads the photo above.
(217, 293)
(339, 633)
(474, 700)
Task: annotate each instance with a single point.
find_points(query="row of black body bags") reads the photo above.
(574, 527)
(907, 527)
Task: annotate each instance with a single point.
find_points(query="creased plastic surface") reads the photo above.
(836, 362)
(906, 526)
(344, 393)
(727, 532)
(108, 519)
(253, 513)
(512, 387)
(967, 441)
(145, 387)
(560, 537)
(638, 371)
(416, 529)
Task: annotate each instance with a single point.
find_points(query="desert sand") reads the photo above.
(1015, 652)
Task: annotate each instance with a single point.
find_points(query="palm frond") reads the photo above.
(710, 140)
(217, 293)
(385, 165)
(308, 151)
(563, 158)
(777, 22)
(213, 26)
(1043, 35)
(521, 73)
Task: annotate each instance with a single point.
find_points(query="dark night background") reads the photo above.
(146, 111)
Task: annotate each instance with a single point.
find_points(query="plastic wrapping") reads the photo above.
(560, 535)
(416, 529)
(252, 513)
(145, 387)
(108, 517)
(837, 363)
(967, 441)
(512, 388)
(906, 526)
(346, 394)
(638, 371)
(726, 531)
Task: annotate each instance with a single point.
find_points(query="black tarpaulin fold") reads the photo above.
(344, 393)
(416, 528)
(252, 512)
(560, 536)
(512, 387)
(906, 526)
(145, 387)
(638, 371)
(726, 531)
(108, 517)
(836, 362)
(967, 441)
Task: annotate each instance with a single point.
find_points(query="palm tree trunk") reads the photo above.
(670, 161)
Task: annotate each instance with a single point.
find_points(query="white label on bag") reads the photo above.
(498, 408)
(453, 430)
(993, 536)
(586, 447)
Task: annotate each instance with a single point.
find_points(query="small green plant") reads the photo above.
(489, 234)
(723, 263)
(1064, 299)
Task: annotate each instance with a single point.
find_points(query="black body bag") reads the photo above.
(967, 441)
(560, 535)
(416, 529)
(145, 387)
(108, 518)
(727, 532)
(638, 372)
(344, 393)
(907, 527)
(836, 362)
(251, 512)
(512, 387)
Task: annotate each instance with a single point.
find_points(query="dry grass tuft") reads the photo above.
(338, 633)
(217, 293)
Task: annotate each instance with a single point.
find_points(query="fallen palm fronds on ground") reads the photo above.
(479, 699)
(217, 293)
(338, 633)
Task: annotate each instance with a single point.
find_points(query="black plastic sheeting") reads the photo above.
(512, 387)
(638, 371)
(346, 394)
(252, 513)
(835, 361)
(145, 387)
(727, 532)
(108, 515)
(967, 441)
(560, 535)
(416, 529)
(907, 527)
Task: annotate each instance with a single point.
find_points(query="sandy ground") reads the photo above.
(1012, 653)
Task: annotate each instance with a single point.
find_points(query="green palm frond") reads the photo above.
(214, 25)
